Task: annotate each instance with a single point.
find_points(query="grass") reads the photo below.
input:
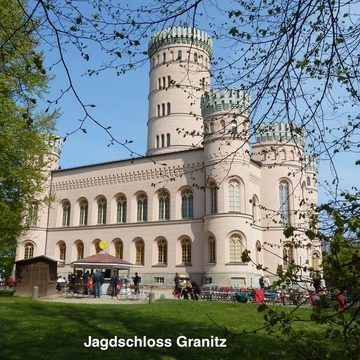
(39, 330)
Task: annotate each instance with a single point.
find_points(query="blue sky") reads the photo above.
(121, 102)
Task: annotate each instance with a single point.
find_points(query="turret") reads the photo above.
(226, 126)
(179, 75)
(278, 143)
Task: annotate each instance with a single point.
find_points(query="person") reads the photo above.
(187, 290)
(11, 282)
(317, 283)
(261, 282)
(2, 278)
(136, 281)
(177, 281)
(60, 282)
(89, 285)
(71, 281)
(114, 281)
(86, 277)
(98, 280)
(195, 290)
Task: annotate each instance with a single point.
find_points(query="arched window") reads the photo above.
(163, 109)
(308, 182)
(162, 251)
(258, 252)
(234, 127)
(121, 210)
(29, 251)
(222, 126)
(139, 252)
(157, 141)
(159, 83)
(212, 250)
(158, 110)
(288, 254)
(142, 207)
(234, 195)
(66, 214)
(195, 57)
(32, 218)
(213, 198)
(62, 251)
(168, 140)
(83, 212)
(102, 205)
(179, 57)
(164, 82)
(255, 208)
(315, 261)
(236, 248)
(284, 203)
(169, 81)
(187, 204)
(168, 108)
(186, 251)
(164, 205)
(162, 140)
(212, 130)
(79, 250)
(164, 58)
(118, 245)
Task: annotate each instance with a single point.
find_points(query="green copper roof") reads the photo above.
(180, 35)
(224, 100)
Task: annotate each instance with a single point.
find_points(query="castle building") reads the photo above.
(206, 190)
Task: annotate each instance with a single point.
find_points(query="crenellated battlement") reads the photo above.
(280, 132)
(224, 100)
(311, 164)
(180, 35)
(55, 144)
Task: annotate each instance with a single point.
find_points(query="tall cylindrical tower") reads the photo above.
(226, 140)
(179, 75)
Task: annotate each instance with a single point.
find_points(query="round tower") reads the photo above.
(179, 75)
(227, 160)
(226, 126)
(55, 148)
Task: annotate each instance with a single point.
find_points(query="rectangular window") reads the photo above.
(159, 280)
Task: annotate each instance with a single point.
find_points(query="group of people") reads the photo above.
(9, 282)
(186, 289)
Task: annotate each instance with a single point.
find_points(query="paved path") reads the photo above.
(107, 299)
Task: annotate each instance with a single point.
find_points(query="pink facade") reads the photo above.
(194, 203)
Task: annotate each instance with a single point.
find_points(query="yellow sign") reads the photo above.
(103, 244)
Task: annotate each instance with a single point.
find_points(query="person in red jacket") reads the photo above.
(11, 282)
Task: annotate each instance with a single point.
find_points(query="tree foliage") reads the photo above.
(24, 134)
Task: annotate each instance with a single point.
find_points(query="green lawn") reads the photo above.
(40, 330)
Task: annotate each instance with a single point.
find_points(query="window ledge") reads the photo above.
(183, 265)
(236, 263)
(159, 265)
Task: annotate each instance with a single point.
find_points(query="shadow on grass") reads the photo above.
(39, 330)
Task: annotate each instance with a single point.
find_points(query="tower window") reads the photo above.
(168, 140)
(164, 58)
(158, 110)
(159, 84)
(163, 109)
(168, 105)
(179, 55)
(157, 141)
(284, 203)
(162, 140)
(195, 57)
(169, 81)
